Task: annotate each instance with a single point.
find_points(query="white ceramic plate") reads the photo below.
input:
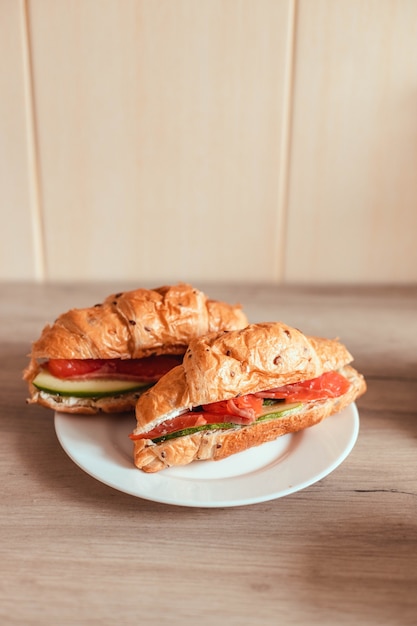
(101, 447)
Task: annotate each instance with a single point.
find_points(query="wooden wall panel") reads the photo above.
(18, 257)
(208, 140)
(160, 136)
(352, 213)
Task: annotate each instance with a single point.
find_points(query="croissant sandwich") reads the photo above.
(238, 389)
(103, 357)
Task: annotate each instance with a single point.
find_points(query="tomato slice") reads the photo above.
(147, 369)
(74, 368)
(150, 367)
(328, 385)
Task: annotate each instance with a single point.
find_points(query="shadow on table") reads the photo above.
(370, 564)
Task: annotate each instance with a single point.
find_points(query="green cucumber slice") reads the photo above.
(289, 408)
(98, 387)
(194, 429)
(286, 409)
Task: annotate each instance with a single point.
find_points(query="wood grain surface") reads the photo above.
(343, 551)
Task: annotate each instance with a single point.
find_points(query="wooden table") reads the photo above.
(342, 551)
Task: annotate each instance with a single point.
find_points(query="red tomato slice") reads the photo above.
(74, 368)
(147, 369)
(150, 367)
(329, 385)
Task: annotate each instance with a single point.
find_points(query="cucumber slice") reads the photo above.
(286, 409)
(194, 429)
(289, 408)
(94, 388)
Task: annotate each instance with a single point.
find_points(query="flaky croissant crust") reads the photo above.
(222, 365)
(137, 323)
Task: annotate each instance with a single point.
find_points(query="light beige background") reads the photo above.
(224, 140)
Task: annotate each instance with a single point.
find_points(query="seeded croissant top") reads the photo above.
(222, 365)
(137, 323)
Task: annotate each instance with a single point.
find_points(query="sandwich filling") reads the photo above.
(247, 409)
(102, 377)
